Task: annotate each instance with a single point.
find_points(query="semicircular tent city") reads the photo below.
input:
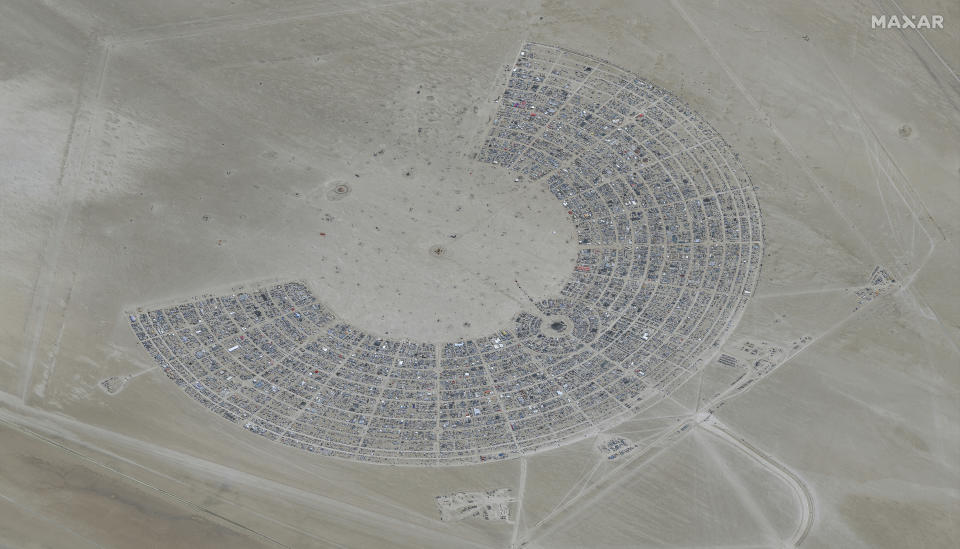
(669, 250)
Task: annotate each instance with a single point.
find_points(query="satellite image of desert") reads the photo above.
(479, 274)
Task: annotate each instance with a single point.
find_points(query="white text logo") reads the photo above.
(906, 22)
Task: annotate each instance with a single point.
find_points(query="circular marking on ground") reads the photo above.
(338, 189)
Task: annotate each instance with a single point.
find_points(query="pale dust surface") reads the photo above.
(156, 151)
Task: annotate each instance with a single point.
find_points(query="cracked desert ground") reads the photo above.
(157, 151)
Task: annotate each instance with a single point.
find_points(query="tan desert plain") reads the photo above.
(180, 180)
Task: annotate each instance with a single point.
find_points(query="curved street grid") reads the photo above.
(669, 250)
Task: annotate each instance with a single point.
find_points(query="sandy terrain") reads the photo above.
(158, 151)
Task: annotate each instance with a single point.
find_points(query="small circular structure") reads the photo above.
(437, 250)
(338, 189)
(554, 326)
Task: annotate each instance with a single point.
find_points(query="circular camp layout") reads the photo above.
(669, 250)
